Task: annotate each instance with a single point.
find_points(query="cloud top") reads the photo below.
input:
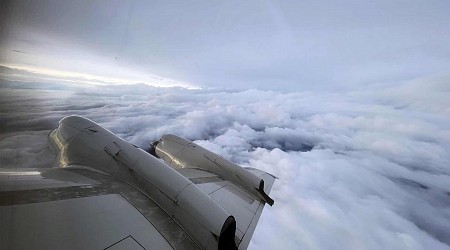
(357, 170)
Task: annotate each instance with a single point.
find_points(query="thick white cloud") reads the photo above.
(357, 170)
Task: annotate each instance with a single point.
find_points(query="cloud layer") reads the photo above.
(253, 44)
(357, 170)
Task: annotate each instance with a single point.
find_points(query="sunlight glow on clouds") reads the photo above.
(33, 73)
(32, 56)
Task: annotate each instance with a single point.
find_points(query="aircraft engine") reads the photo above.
(181, 153)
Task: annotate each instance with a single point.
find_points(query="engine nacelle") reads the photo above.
(181, 153)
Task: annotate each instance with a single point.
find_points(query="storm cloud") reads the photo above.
(290, 45)
(357, 170)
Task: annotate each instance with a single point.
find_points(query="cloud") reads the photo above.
(357, 170)
(25, 149)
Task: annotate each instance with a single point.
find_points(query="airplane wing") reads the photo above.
(105, 193)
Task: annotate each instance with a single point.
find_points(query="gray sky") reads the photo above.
(293, 45)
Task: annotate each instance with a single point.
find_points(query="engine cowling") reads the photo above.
(181, 153)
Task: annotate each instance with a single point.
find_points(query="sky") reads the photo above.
(282, 45)
(346, 102)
